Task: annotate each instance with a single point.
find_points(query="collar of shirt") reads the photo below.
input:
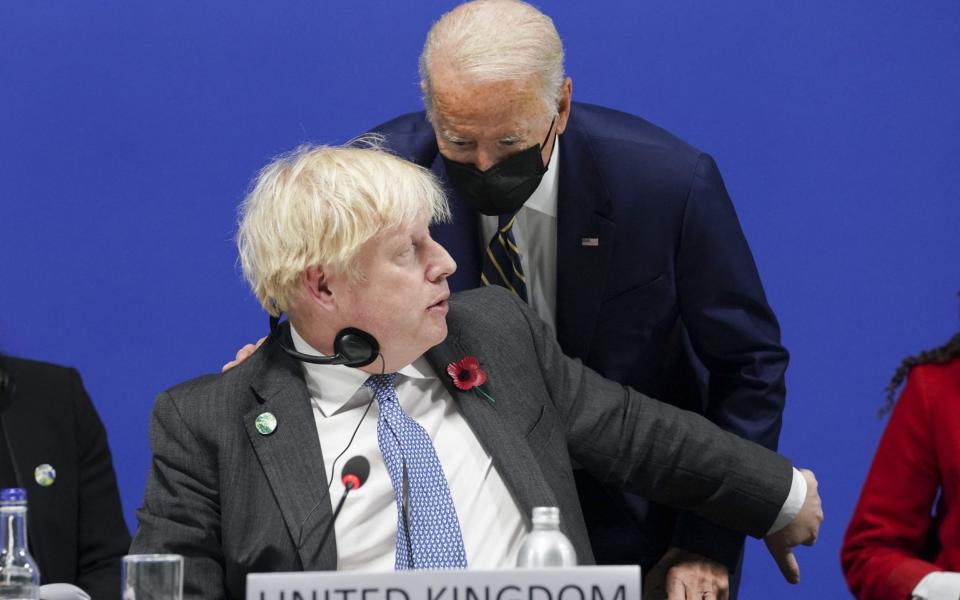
(336, 388)
(544, 198)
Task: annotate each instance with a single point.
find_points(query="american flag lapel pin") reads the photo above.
(589, 241)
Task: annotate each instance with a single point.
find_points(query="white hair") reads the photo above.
(495, 40)
(318, 206)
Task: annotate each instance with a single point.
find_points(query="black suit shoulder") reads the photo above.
(206, 386)
(31, 367)
(205, 404)
(208, 402)
(46, 383)
(222, 388)
(42, 396)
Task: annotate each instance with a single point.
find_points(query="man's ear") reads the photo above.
(316, 287)
(565, 106)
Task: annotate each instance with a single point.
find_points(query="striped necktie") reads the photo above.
(501, 263)
(430, 538)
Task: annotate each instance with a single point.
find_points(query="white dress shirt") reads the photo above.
(366, 530)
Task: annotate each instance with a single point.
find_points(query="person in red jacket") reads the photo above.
(904, 538)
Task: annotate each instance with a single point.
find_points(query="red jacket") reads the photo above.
(887, 549)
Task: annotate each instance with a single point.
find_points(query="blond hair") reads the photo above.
(495, 40)
(318, 205)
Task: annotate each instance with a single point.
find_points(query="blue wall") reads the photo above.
(130, 130)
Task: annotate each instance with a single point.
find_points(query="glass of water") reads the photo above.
(152, 577)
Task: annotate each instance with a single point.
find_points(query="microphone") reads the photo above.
(353, 475)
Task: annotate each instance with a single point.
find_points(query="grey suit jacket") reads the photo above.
(233, 501)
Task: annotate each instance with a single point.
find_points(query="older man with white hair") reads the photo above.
(465, 407)
(619, 235)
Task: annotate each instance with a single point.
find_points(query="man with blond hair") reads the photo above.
(245, 464)
(619, 235)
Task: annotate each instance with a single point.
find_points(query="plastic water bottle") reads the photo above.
(545, 545)
(19, 575)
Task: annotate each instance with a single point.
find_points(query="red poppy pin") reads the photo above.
(467, 375)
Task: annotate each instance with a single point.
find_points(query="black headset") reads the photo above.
(352, 347)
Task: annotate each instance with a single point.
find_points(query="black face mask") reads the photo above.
(503, 188)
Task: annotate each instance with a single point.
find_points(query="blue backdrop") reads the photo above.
(129, 132)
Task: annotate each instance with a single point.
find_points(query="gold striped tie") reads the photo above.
(501, 263)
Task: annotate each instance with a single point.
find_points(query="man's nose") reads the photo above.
(484, 160)
(443, 265)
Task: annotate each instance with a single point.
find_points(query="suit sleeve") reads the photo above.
(733, 332)
(103, 537)
(635, 443)
(890, 526)
(181, 511)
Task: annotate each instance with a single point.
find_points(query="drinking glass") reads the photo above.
(152, 577)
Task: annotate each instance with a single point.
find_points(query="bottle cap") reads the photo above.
(546, 515)
(13, 495)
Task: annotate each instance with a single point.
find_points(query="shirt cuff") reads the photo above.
(939, 585)
(792, 505)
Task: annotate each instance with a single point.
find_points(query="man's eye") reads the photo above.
(508, 142)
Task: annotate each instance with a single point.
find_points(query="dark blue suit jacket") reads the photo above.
(668, 302)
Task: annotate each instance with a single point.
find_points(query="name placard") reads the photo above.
(579, 583)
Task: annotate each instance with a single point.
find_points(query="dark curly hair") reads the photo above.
(938, 356)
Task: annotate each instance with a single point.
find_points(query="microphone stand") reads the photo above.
(326, 532)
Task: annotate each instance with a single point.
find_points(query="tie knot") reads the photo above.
(505, 222)
(382, 385)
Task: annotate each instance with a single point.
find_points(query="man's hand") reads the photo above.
(802, 530)
(242, 355)
(682, 575)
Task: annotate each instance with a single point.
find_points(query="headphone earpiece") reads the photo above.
(352, 347)
(356, 346)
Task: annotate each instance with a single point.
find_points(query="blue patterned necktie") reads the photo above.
(501, 263)
(432, 540)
